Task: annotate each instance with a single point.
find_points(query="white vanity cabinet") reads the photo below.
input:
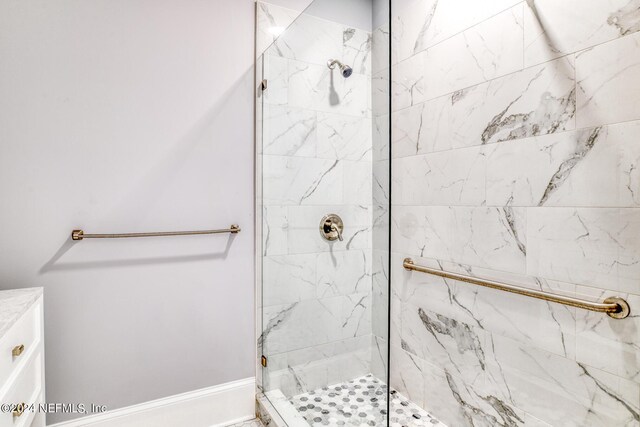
(21, 358)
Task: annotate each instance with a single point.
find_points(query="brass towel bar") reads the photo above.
(80, 235)
(614, 307)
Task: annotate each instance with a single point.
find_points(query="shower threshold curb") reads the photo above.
(271, 405)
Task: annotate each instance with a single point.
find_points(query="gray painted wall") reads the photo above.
(119, 115)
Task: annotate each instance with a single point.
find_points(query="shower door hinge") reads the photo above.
(264, 361)
(263, 85)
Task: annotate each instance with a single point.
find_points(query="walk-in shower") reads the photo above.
(448, 237)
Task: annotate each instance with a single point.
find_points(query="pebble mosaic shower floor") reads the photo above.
(360, 402)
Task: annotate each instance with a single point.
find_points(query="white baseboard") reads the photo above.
(209, 407)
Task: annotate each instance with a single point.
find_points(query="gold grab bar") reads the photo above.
(80, 235)
(615, 307)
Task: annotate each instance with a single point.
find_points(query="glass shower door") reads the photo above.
(323, 174)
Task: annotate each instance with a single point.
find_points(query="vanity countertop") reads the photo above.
(13, 304)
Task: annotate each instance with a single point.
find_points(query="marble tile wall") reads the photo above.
(515, 153)
(316, 158)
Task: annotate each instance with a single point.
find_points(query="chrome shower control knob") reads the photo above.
(331, 227)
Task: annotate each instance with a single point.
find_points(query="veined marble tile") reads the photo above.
(344, 137)
(276, 72)
(316, 321)
(425, 23)
(380, 235)
(289, 132)
(380, 193)
(357, 50)
(409, 131)
(298, 181)
(410, 26)
(380, 227)
(408, 82)
(555, 28)
(536, 157)
(380, 49)
(396, 306)
(454, 16)
(358, 185)
(591, 167)
(381, 137)
(608, 84)
(444, 342)
(379, 357)
(311, 40)
(288, 278)
(532, 322)
(301, 324)
(356, 310)
(456, 401)
(558, 390)
(400, 6)
(449, 178)
(343, 273)
(274, 230)
(272, 20)
(483, 52)
(536, 101)
(380, 291)
(609, 344)
(380, 94)
(531, 421)
(407, 375)
(484, 237)
(590, 246)
(314, 367)
(316, 87)
(304, 223)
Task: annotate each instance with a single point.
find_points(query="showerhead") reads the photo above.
(345, 70)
